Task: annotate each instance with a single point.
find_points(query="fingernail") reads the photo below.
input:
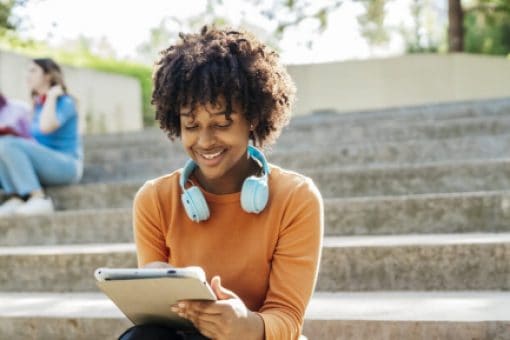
(181, 314)
(181, 304)
(174, 309)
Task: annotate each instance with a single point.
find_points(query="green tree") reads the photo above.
(372, 22)
(487, 27)
(9, 21)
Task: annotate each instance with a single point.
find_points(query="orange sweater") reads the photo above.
(269, 260)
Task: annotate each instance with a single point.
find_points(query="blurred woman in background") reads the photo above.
(53, 157)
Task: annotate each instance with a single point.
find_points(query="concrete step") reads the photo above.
(340, 316)
(392, 131)
(122, 164)
(432, 112)
(154, 142)
(380, 180)
(354, 263)
(415, 214)
(454, 113)
(421, 114)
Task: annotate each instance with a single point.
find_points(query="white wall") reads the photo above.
(401, 81)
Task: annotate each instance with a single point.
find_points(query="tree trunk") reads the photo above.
(455, 26)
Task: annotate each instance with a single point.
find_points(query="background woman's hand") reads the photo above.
(227, 318)
(55, 91)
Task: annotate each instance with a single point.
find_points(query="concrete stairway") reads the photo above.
(417, 239)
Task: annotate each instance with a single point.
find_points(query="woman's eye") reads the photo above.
(190, 127)
(224, 125)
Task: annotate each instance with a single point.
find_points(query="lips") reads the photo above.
(210, 158)
(211, 155)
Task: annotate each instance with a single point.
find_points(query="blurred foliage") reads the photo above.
(372, 22)
(487, 27)
(425, 36)
(8, 20)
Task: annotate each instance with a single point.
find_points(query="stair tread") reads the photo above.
(464, 306)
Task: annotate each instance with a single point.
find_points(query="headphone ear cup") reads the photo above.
(254, 194)
(195, 204)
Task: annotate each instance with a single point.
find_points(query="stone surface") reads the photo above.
(388, 316)
(141, 161)
(382, 180)
(355, 263)
(414, 214)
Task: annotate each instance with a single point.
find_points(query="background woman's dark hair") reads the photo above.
(50, 67)
(3, 101)
(219, 62)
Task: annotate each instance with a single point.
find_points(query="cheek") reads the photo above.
(187, 139)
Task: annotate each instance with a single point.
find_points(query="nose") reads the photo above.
(206, 139)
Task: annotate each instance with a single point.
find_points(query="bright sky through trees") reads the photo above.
(126, 24)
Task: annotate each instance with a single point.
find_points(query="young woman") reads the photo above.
(53, 157)
(255, 228)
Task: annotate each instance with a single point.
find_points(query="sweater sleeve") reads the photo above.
(294, 265)
(147, 227)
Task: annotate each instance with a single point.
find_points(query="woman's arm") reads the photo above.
(295, 264)
(151, 248)
(49, 121)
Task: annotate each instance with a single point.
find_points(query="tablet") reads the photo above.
(145, 295)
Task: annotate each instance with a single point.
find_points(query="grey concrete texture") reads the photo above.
(415, 330)
(480, 314)
(41, 328)
(94, 196)
(81, 329)
(447, 177)
(431, 262)
(155, 143)
(381, 180)
(68, 227)
(63, 328)
(434, 262)
(122, 166)
(419, 214)
(392, 131)
(432, 112)
(423, 114)
(415, 214)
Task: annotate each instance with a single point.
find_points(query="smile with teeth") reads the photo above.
(211, 155)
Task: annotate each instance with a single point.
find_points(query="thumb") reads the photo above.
(221, 292)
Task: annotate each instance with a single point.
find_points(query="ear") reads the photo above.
(253, 125)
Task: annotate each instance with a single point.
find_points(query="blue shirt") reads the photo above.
(65, 138)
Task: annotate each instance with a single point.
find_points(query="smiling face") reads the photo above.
(218, 145)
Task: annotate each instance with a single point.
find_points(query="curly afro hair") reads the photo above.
(232, 64)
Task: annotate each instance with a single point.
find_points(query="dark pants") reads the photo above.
(155, 332)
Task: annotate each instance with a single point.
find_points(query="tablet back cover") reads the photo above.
(148, 301)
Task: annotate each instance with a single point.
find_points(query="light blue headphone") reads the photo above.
(254, 193)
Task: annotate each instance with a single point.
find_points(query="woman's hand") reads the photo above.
(55, 91)
(227, 318)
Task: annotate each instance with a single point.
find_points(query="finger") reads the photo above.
(221, 292)
(214, 308)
